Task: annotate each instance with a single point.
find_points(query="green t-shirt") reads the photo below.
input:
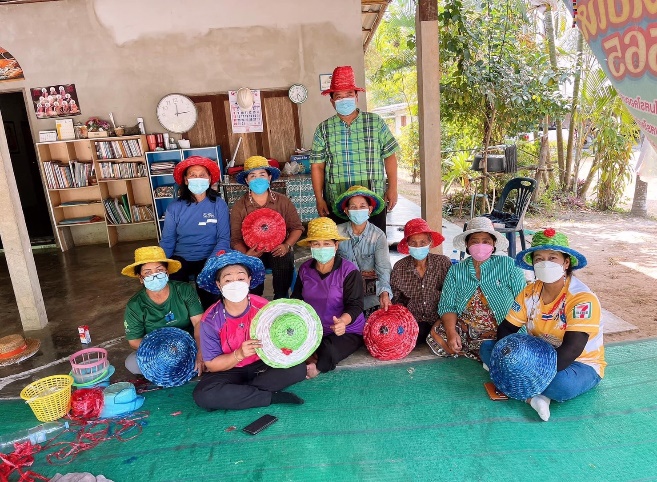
(143, 315)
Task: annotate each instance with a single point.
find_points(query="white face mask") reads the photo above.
(235, 291)
(548, 271)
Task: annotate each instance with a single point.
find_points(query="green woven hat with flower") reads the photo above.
(553, 240)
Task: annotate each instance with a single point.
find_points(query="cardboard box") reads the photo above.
(302, 160)
(97, 134)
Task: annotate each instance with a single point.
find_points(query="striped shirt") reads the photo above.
(353, 153)
(574, 309)
(500, 282)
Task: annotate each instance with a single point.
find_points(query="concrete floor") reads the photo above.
(84, 286)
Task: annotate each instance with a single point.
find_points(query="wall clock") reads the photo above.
(177, 113)
(298, 93)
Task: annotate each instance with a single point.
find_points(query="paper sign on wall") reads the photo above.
(9, 67)
(245, 121)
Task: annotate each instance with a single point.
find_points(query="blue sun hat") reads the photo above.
(257, 162)
(208, 276)
(119, 399)
(167, 356)
(522, 366)
(549, 239)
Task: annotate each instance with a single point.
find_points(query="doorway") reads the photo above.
(26, 168)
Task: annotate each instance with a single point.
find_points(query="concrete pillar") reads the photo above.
(428, 90)
(16, 243)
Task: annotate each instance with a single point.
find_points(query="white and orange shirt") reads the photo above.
(576, 308)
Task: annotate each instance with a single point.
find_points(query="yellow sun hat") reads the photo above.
(257, 162)
(150, 254)
(321, 229)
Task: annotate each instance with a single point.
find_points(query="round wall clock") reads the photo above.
(177, 113)
(298, 93)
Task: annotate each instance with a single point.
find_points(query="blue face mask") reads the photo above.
(156, 282)
(198, 185)
(359, 216)
(419, 253)
(345, 106)
(323, 255)
(259, 185)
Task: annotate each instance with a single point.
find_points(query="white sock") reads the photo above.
(541, 404)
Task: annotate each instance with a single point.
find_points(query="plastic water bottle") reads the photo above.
(455, 257)
(37, 435)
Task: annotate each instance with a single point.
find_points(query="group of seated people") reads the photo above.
(461, 309)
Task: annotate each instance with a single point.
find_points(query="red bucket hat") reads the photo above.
(343, 79)
(418, 226)
(209, 164)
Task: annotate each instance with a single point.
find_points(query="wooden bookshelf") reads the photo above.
(64, 180)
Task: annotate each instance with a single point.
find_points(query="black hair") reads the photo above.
(569, 269)
(184, 194)
(219, 271)
(467, 238)
(138, 267)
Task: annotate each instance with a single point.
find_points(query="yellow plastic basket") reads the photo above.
(50, 397)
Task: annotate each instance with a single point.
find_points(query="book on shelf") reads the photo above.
(80, 220)
(117, 210)
(122, 170)
(118, 149)
(77, 203)
(163, 167)
(74, 173)
(142, 212)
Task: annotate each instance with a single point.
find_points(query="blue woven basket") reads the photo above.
(522, 366)
(167, 356)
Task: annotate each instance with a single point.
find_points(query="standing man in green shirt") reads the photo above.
(352, 148)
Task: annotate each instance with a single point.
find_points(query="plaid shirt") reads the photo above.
(420, 295)
(353, 154)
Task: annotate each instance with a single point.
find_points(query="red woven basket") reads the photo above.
(263, 229)
(390, 335)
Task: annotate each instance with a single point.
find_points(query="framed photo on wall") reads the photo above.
(325, 82)
(55, 101)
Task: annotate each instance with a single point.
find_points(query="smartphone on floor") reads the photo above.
(260, 424)
(493, 392)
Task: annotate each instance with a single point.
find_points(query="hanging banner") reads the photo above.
(623, 36)
(9, 67)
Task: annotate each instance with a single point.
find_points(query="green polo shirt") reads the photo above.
(354, 154)
(143, 315)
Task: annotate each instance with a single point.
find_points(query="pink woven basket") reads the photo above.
(88, 364)
(390, 335)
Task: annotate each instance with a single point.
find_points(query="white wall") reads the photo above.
(124, 55)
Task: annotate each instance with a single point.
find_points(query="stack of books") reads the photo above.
(142, 213)
(117, 210)
(161, 168)
(67, 174)
(118, 149)
(122, 170)
(81, 220)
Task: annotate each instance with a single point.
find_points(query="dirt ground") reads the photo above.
(622, 259)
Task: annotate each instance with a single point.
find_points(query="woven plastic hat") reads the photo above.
(245, 98)
(390, 335)
(166, 357)
(121, 398)
(150, 254)
(550, 239)
(343, 79)
(263, 229)
(207, 278)
(321, 229)
(211, 166)
(16, 348)
(480, 225)
(373, 199)
(522, 366)
(418, 226)
(289, 330)
(257, 162)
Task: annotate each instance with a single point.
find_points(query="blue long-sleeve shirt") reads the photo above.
(196, 231)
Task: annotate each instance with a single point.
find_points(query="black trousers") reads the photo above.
(333, 349)
(378, 220)
(282, 271)
(245, 387)
(425, 329)
(193, 268)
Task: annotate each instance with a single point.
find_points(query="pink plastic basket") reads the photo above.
(88, 364)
